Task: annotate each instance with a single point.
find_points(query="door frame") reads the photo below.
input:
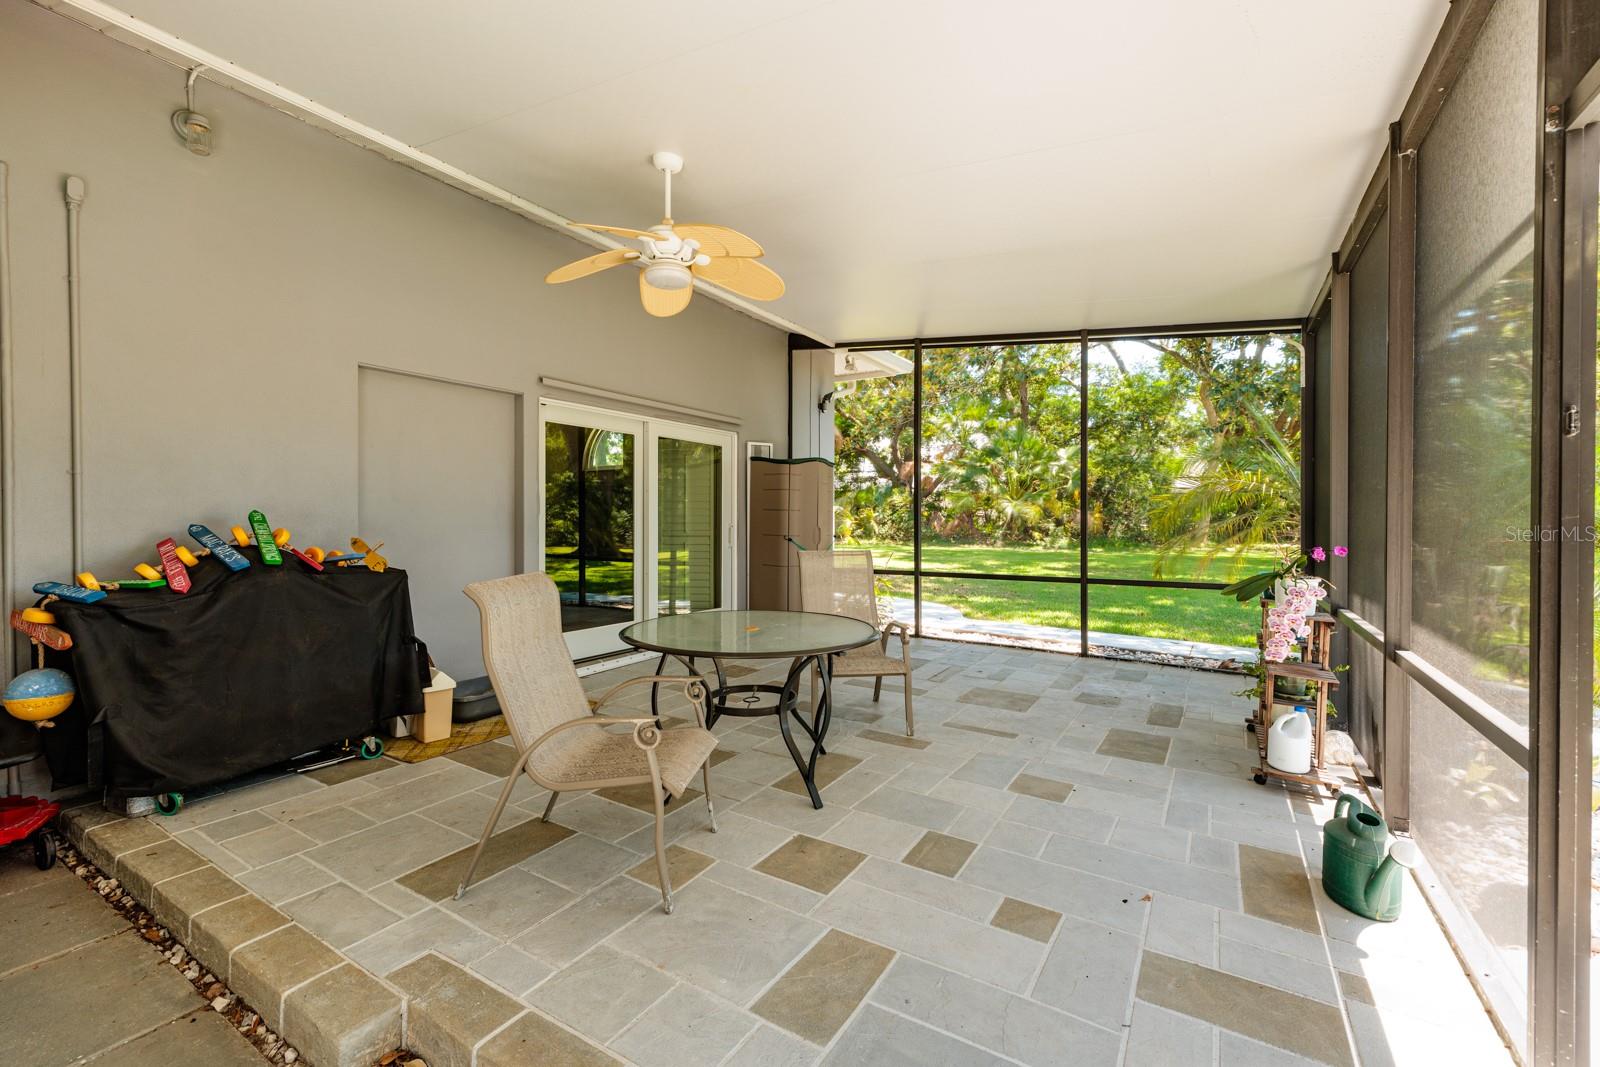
(648, 431)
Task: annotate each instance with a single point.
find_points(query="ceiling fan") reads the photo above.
(673, 255)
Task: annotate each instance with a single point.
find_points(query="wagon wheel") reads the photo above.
(44, 850)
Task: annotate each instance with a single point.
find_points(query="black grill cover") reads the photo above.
(246, 670)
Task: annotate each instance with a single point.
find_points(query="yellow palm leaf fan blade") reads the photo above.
(592, 265)
(663, 303)
(743, 276)
(718, 240)
(620, 231)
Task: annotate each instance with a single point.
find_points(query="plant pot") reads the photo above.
(1280, 588)
(1292, 688)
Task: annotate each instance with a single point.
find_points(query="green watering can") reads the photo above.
(1361, 870)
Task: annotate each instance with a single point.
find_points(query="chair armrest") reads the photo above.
(694, 688)
(894, 627)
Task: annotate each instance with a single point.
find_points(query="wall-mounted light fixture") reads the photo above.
(193, 128)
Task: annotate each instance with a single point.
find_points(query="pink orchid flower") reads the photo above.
(1340, 550)
(1319, 555)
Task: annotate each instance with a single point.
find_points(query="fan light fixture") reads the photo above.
(673, 255)
(193, 128)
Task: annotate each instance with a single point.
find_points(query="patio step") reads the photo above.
(333, 1012)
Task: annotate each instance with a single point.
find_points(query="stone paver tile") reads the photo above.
(940, 853)
(339, 915)
(1310, 979)
(102, 844)
(769, 1046)
(1026, 919)
(430, 930)
(330, 824)
(263, 971)
(202, 1038)
(926, 887)
(270, 844)
(577, 928)
(815, 864)
(177, 900)
(685, 1028)
(511, 969)
(1089, 972)
(1003, 699)
(1134, 745)
(962, 945)
(600, 992)
(288, 878)
(350, 769)
(216, 932)
(1168, 716)
(510, 902)
(1161, 1038)
(388, 850)
(683, 866)
(1032, 785)
(97, 996)
(992, 1019)
(1356, 987)
(898, 740)
(1276, 888)
(345, 1016)
(989, 730)
(639, 798)
(830, 769)
(533, 1039)
(58, 915)
(927, 812)
(439, 879)
(993, 771)
(882, 1037)
(820, 991)
(224, 829)
(449, 1010)
(1272, 1016)
(488, 758)
(722, 940)
(1103, 900)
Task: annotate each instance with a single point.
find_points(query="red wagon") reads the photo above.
(25, 817)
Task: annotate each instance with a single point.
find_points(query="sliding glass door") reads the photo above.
(636, 520)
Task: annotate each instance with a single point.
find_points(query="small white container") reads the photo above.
(1289, 743)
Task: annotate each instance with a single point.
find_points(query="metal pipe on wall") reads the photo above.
(74, 196)
(8, 429)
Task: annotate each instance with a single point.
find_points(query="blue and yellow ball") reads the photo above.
(39, 694)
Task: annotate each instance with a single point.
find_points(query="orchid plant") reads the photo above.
(1289, 619)
(1289, 567)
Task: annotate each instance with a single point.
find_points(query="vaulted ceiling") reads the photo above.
(912, 167)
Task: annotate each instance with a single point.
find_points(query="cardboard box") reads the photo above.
(434, 722)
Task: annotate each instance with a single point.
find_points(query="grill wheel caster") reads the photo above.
(1260, 778)
(371, 747)
(169, 803)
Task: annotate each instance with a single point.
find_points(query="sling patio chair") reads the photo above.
(563, 743)
(842, 582)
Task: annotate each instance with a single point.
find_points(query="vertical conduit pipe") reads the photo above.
(8, 431)
(74, 196)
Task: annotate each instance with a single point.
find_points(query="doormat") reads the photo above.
(462, 735)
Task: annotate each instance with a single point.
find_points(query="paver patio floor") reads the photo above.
(1069, 863)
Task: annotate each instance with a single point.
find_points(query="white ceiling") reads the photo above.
(912, 167)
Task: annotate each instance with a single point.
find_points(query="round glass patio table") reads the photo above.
(802, 637)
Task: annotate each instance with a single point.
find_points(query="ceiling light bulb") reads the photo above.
(667, 276)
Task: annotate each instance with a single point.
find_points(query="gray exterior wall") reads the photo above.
(228, 302)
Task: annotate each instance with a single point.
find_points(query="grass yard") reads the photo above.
(1183, 614)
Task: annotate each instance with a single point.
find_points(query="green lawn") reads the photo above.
(1185, 614)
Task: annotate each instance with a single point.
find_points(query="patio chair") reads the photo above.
(843, 583)
(563, 742)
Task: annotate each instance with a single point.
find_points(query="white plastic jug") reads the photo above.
(1289, 743)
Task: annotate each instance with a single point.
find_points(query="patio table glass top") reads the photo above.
(749, 634)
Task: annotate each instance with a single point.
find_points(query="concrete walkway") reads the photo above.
(79, 986)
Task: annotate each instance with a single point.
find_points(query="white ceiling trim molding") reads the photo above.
(124, 28)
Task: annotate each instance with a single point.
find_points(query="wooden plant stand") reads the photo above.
(1314, 668)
